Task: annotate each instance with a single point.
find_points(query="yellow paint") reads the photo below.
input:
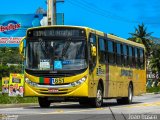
(16, 85)
(118, 84)
(5, 84)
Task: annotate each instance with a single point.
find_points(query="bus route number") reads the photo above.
(57, 81)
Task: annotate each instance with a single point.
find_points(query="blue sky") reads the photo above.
(119, 17)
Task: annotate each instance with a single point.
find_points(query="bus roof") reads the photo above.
(122, 40)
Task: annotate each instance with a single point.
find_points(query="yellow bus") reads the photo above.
(73, 63)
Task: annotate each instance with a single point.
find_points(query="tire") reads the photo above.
(44, 102)
(127, 100)
(98, 101)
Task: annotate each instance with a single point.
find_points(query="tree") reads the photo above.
(141, 36)
(155, 58)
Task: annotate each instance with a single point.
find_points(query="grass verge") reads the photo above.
(5, 99)
(153, 89)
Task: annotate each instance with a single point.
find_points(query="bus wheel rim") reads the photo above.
(99, 96)
(130, 94)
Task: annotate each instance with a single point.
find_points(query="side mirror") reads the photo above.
(93, 50)
(22, 47)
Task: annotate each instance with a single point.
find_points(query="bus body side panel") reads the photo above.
(139, 81)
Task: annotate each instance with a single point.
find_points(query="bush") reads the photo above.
(6, 70)
(0, 85)
(153, 89)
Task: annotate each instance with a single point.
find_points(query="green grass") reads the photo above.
(153, 89)
(5, 99)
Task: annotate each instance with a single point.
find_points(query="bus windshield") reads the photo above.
(56, 54)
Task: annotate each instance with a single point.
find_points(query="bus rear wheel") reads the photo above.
(127, 100)
(98, 101)
(44, 102)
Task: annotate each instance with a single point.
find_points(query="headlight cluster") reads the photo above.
(79, 81)
(30, 82)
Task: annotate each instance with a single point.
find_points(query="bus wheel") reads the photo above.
(98, 101)
(130, 94)
(43, 102)
(127, 100)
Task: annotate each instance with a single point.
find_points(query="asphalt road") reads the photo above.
(143, 107)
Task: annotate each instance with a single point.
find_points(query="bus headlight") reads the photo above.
(30, 82)
(79, 81)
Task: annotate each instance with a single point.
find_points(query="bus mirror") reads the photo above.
(21, 47)
(93, 50)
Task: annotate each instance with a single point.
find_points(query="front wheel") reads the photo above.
(98, 101)
(44, 102)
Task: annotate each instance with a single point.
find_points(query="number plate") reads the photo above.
(57, 81)
(53, 90)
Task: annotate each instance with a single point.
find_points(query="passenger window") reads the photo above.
(102, 50)
(111, 55)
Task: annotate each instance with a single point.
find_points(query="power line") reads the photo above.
(107, 14)
(100, 12)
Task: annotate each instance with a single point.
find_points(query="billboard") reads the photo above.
(16, 85)
(13, 27)
(5, 84)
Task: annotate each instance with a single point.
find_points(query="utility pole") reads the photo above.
(52, 11)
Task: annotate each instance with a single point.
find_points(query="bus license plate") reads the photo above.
(53, 90)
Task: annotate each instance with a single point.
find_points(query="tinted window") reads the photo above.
(101, 44)
(130, 51)
(110, 46)
(102, 54)
(118, 48)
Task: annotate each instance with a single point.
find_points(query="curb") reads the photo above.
(18, 105)
(151, 93)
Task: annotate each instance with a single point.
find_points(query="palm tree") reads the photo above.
(141, 36)
(155, 58)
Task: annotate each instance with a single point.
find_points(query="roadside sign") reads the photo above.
(16, 85)
(5, 84)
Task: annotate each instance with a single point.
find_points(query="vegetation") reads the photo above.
(10, 61)
(5, 99)
(9, 55)
(153, 89)
(155, 58)
(0, 85)
(141, 36)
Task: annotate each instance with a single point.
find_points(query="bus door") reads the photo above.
(102, 70)
(92, 51)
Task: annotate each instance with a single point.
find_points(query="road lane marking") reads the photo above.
(63, 112)
(142, 105)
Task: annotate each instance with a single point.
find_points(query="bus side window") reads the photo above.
(133, 57)
(137, 57)
(138, 53)
(125, 55)
(142, 59)
(92, 59)
(101, 50)
(118, 54)
(130, 56)
(111, 55)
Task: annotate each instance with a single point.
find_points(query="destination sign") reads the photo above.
(56, 32)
